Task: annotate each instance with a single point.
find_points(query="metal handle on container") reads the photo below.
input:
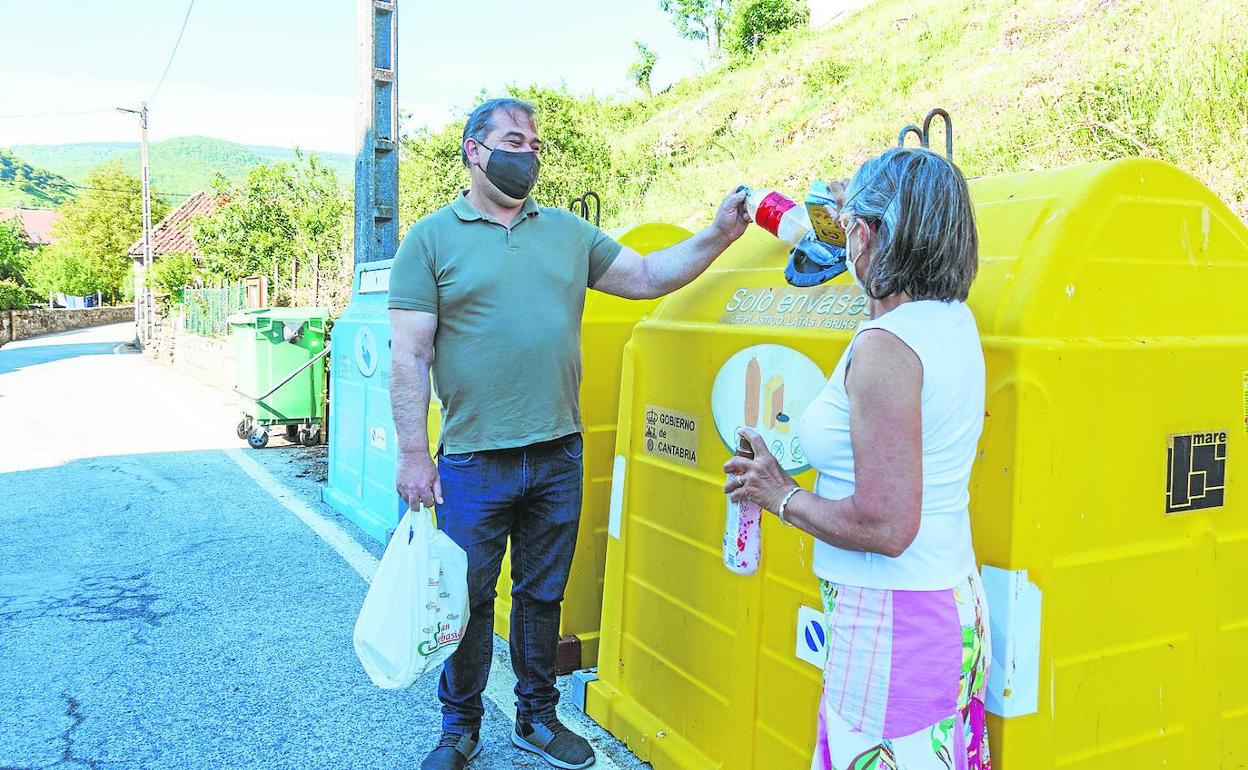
(925, 133)
(289, 377)
(927, 130)
(911, 129)
(580, 206)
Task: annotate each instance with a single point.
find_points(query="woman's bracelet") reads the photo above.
(785, 504)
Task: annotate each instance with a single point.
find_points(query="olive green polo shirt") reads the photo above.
(509, 301)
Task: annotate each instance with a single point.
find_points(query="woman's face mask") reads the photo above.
(513, 173)
(848, 221)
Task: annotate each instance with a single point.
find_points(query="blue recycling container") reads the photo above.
(362, 446)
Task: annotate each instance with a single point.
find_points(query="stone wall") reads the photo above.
(208, 359)
(20, 324)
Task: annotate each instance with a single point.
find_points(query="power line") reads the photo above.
(52, 114)
(173, 53)
(120, 190)
(123, 191)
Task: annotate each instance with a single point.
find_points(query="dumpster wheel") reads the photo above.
(310, 437)
(259, 437)
(293, 431)
(243, 430)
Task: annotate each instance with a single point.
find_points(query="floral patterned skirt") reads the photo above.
(903, 688)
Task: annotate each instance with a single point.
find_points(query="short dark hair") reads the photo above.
(481, 121)
(925, 240)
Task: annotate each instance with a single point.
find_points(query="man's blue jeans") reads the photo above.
(533, 496)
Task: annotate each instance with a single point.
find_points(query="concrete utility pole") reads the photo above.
(143, 320)
(377, 131)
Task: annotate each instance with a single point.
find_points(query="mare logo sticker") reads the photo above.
(1195, 471)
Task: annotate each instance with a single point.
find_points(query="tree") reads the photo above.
(753, 21)
(431, 172)
(94, 234)
(700, 20)
(643, 67)
(15, 253)
(60, 269)
(289, 217)
(576, 156)
(171, 273)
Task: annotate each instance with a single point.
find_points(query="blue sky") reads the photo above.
(281, 72)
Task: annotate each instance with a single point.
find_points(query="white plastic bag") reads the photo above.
(416, 609)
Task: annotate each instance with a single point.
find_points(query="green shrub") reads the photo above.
(14, 296)
(171, 273)
(754, 21)
(825, 75)
(14, 253)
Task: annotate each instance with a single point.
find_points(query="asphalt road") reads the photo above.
(162, 608)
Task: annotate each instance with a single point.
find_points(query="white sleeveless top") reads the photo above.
(945, 338)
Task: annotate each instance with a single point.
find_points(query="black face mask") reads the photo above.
(513, 173)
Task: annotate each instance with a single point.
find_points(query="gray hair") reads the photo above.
(925, 241)
(481, 121)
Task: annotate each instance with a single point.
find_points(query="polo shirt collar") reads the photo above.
(468, 213)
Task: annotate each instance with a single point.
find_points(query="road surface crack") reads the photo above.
(106, 599)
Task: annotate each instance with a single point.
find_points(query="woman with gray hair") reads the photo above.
(893, 437)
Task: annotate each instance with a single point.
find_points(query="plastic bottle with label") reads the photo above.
(813, 260)
(743, 528)
(777, 214)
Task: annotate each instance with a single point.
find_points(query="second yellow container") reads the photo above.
(1105, 499)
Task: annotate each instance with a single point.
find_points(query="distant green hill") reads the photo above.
(181, 165)
(342, 163)
(25, 186)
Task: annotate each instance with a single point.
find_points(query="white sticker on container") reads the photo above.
(377, 437)
(1014, 620)
(617, 497)
(1245, 402)
(812, 636)
(767, 388)
(375, 281)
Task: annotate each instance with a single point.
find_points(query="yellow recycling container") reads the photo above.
(1113, 539)
(608, 322)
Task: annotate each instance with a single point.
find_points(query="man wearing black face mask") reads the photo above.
(496, 285)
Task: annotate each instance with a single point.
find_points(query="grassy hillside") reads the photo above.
(181, 165)
(1030, 85)
(73, 161)
(25, 186)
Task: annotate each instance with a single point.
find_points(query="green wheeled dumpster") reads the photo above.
(280, 372)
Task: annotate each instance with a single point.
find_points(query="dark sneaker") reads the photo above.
(453, 752)
(554, 743)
